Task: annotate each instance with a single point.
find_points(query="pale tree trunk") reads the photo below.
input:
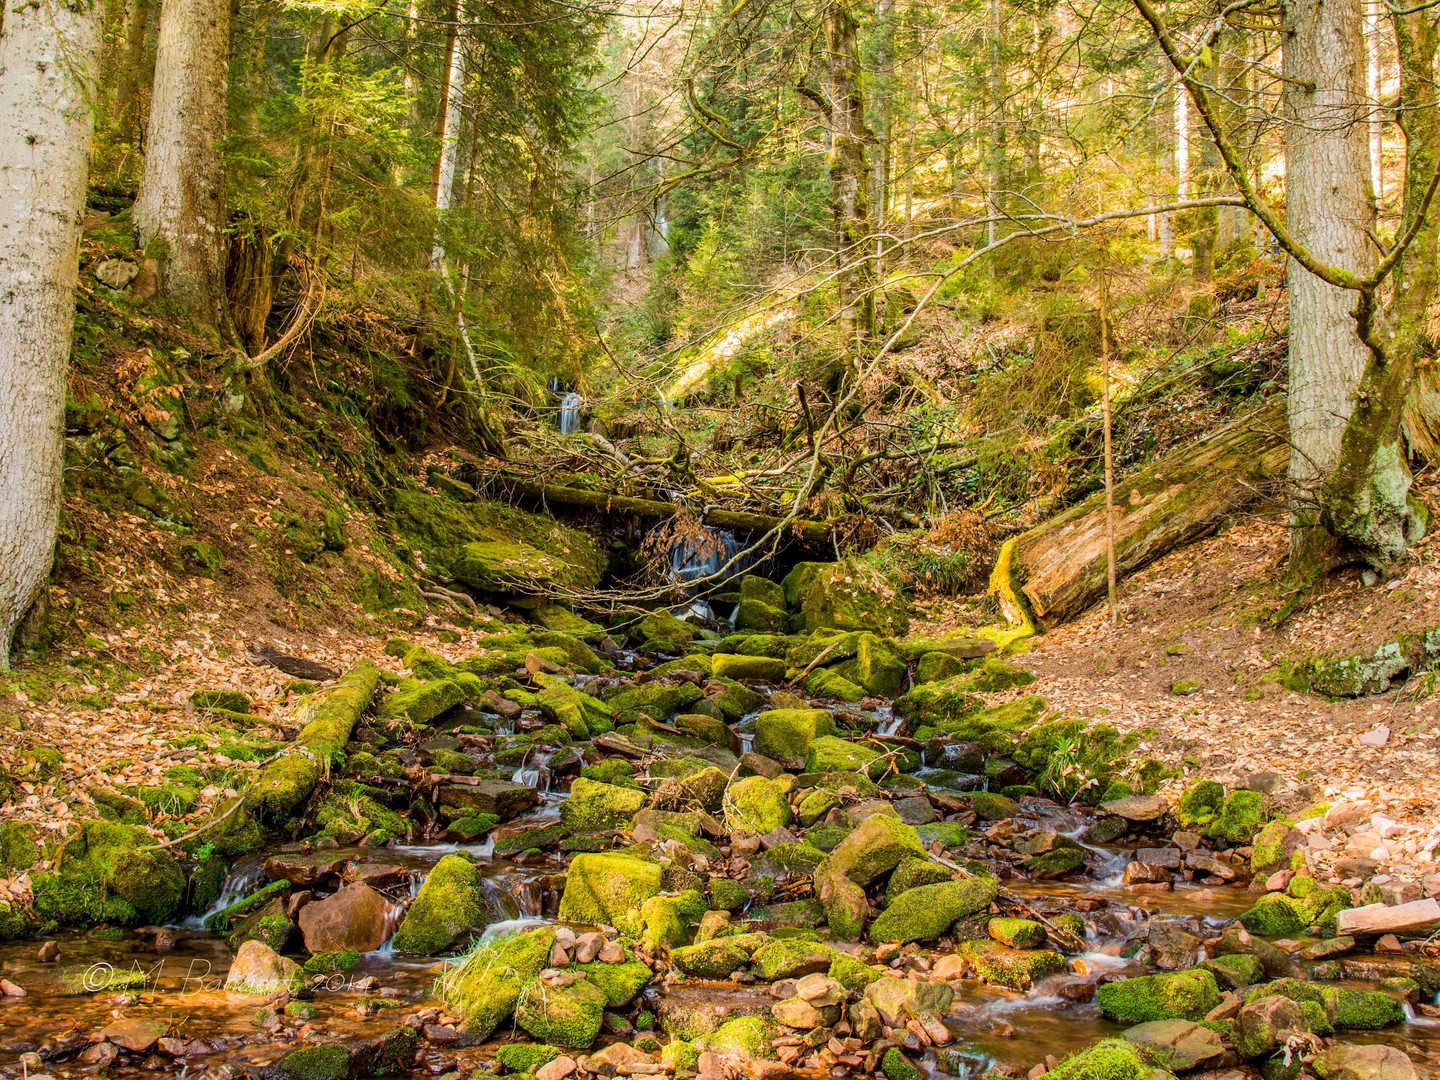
(849, 183)
(997, 124)
(1372, 89)
(48, 53)
(1328, 207)
(1207, 220)
(182, 186)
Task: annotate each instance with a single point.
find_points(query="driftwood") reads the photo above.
(817, 532)
(1058, 568)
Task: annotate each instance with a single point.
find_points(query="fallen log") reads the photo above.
(283, 786)
(1058, 568)
(817, 532)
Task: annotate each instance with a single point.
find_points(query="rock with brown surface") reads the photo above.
(137, 1036)
(356, 917)
(1416, 919)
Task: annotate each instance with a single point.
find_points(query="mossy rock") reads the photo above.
(110, 872)
(1276, 915)
(788, 958)
(595, 806)
(912, 873)
(854, 595)
(755, 668)
(329, 1061)
(1055, 864)
(727, 895)
(757, 805)
(231, 700)
(734, 700)
(483, 989)
(828, 754)
(713, 959)
(785, 735)
(657, 700)
(1017, 933)
(937, 667)
(992, 807)
(993, 675)
(1018, 969)
(1112, 1059)
(876, 847)
(896, 1066)
(451, 906)
(620, 983)
(668, 920)
(525, 1057)
(795, 584)
(19, 845)
(603, 888)
(1200, 805)
(1239, 820)
(879, 667)
(1236, 971)
(662, 632)
(946, 707)
(1181, 995)
(567, 1016)
(1353, 1009)
(746, 1037)
(832, 683)
(927, 911)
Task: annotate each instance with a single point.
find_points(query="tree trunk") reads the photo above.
(181, 204)
(132, 60)
(849, 183)
(1207, 220)
(995, 179)
(48, 53)
(1060, 567)
(1328, 208)
(1366, 499)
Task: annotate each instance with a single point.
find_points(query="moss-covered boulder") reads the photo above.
(791, 958)
(1181, 995)
(912, 873)
(714, 959)
(757, 805)
(525, 1057)
(756, 668)
(1235, 971)
(620, 983)
(669, 920)
(1016, 933)
(833, 683)
(879, 667)
(1199, 805)
(785, 735)
(580, 714)
(1239, 819)
(876, 847)
(993, 675)
(663, 632)
(1276, 915)
(450, 907)
(854, 595)
(109, 872)
(828, 754)
(593, 806)
(484, 988)
(657, 700)
(259, 969)
(1274, 846)
(603, 888)
(1019, 969)
(746, 1037)
(1112, 1059)
(1354, 1009)
(937, 667)
(944, 707)
(796, 584)
(927, 911)
(568, 1016)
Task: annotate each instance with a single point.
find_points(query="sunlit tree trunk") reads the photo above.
(181, 204)
(1207, 220)
(995, 179)
(48, 53)
(1328, 208)
(130, 70)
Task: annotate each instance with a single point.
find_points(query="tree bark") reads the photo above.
(1328, 208)
(1207, 220)
(48, 54)
(1060, 567)
(181, 203)
(849, 182)
(132, 60)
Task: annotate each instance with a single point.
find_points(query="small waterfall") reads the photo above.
(534, 773)
(689, 563)
(569, 412)
(247, 875)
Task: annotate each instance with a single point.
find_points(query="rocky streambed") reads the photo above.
(666, 852)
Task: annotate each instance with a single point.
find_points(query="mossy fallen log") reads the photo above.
(1058, 568)
(817, 532)
(283, 786)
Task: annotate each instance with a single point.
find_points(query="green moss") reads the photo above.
(329, 1062)
(322, 963)
(1276, 915)
(616, 771)
(525, 1057)
(757, 805)
(564, 1016)
(1200, 804)
(483, 989)
(451, 904)
(1239, 818)
(620, 983)
(19, 848)
(1361, 1010)
(783, 958)
(747, 1037)
(1017, 933)
(1182, 995)
(1113, 1059)
(897, 1066)
(1019, 969)
(667, 920)
(603, 888)
(829, 754)
(786, 734)
(927, 911)
(594, 806)
(109, 872)
(727, 894)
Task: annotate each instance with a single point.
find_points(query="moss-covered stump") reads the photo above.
(603, 888)
(1182, 995)
(926, 912)
(450, 907)
(108, 872)
(283, 786)
(484, 988)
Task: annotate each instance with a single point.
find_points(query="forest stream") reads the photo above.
(1080, 899)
